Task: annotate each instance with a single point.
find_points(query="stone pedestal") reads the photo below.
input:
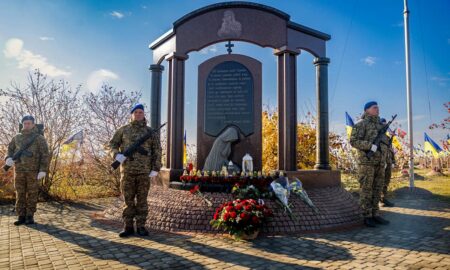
(317, 178)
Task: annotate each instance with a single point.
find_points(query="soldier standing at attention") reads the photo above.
(135, 170)
(390, 163)
(30, 168)
(370, 170)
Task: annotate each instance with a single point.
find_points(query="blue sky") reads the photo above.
(88, 42)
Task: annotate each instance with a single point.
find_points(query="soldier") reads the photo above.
(390, 163)
(135, 178)
(370, 170)
(31, 167)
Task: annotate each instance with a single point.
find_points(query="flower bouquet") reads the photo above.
(296, 188)
(240, 191)
(241, 218)
(280, 188)
(196, 191)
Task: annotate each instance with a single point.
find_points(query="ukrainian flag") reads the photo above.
(395, 141)
(73, 142)
(349, 124)
(430, 146)
(184, 149)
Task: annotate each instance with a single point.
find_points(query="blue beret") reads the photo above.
(370, 104)
(137, 106)
(28, 117)
(382, 120)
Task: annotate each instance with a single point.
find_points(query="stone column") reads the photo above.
(322, 154)
(155, 96)
(287, 109)
(175, 113)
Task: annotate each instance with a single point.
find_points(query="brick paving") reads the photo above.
(67, 237)
(178, 210)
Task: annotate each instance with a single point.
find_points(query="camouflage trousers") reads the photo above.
(387, 179)
(135, 189)
(27, 191)
(371, 180)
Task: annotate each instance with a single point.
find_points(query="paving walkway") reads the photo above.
(66, 237)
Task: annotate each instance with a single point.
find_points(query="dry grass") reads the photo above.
(439, 185)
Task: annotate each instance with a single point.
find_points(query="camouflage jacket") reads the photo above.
(363, 134)
(38, 160)
(390, 156)
(138, 163)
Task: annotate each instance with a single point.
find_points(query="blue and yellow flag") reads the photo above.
(348, 124)
(73, 142)
(184, 149)
(430, 146)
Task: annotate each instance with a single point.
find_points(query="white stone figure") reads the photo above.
(247, 164)
(230, 28)
(221, 150)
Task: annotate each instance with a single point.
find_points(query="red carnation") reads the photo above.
(238, 207)
(195, 189)
(248, 208)
(244, 216)
(229, 208)
(255, 220)
(233, 214)
(216, 216)
(226, 216)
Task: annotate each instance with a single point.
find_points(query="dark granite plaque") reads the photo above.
(229, 99)
(235, 81)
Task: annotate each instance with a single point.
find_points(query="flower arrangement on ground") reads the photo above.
(241, 218)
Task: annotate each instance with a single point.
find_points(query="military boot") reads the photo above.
(369, 222)
(387, 203)
(127, 231)
(29, 220)
(380, 220)
(142, 231)
(20, 221)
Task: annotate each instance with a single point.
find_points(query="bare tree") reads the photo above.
(53, 103)
(108, 109)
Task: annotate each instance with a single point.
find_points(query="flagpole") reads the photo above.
(408, 94)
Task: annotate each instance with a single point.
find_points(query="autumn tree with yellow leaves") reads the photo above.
(306, 142)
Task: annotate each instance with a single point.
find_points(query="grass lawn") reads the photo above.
(438, 185)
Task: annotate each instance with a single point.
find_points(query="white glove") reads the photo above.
(41, 175)
(153, 174)
(121, 158)
(374, 148)
(9, 162)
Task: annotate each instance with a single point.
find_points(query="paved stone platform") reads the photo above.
(177, 210)
(68, 238)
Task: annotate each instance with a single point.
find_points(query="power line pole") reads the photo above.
(408, 95)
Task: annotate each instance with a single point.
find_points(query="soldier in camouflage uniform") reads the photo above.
(390, 163)
(29, 169)
(135, 178)
(370, 170)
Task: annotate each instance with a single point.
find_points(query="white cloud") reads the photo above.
(46, 38)
(98, 77)
(211, 49)
(369, 60)
(399, 24)
(144, 7)
(117, 14)
(442, 81)
(26, 59)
